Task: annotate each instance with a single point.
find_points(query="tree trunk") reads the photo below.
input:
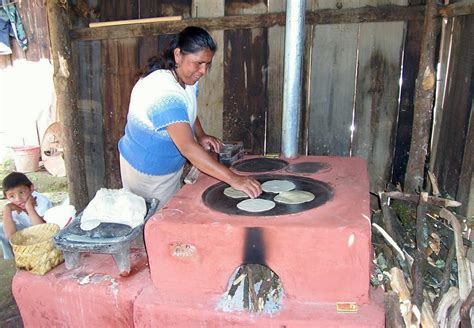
(66, 102)
(425, 87)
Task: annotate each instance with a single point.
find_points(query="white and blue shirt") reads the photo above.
(156, 102)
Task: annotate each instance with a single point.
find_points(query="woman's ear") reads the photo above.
(177, 56)
(32, 187)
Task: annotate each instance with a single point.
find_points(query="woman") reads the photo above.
(162, 124)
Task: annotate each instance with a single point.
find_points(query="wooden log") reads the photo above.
(465, 310)
(390, 220)
(427, 315)
(325, 16)
(398, 284)
(449, 299)
(425, 87)
(457, 9)
(447, 269)
(393, 317)
(420, 254)
(390, 240)
(135, 21)
(434, 184)
(66, 103)
(413, 198)
(454, 318)
(464, 269)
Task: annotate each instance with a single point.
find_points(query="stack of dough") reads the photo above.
(114, 206)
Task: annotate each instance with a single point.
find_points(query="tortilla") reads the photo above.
(255, 205)
(294, 197)
(89, 224)
(277, 186)
(234, 193)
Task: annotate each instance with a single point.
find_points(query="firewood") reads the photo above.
(390, 221)
(448, 300)
(398, 284)
(420, 255)
(427, 316)
(455, 315)
(416, 316)
(447, 269)
(390, 240)
(434, 184)
(464, 268)
(437, 201)
(465, 310)
(393, 317)
(404, 259)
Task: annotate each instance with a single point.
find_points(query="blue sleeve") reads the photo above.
(168, 110)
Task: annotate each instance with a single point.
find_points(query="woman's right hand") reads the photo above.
(248, 185)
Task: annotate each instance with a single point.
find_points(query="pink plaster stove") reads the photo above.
(321, 252)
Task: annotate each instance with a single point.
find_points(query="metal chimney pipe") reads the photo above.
(294, 40)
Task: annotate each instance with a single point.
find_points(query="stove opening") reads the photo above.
(253, 288)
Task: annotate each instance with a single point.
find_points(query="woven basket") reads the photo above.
(35, 250)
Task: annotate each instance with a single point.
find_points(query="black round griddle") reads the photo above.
(260, 164)
(308, 167)
(215, 199)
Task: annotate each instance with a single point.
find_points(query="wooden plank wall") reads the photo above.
(411, 59)
(276, 56)
(333, 71)
(350, 83)
(245, 79)
(376, 104)
(454, 161)
(211, 88)
(354, 90)
(241, 98)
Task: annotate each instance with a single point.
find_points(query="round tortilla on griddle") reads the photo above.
(255, 205)
(234, 193)
(294, 197)
(277, 186)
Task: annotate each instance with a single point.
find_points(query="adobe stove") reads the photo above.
(320, 250)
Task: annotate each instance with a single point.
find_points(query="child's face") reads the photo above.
(19, 195)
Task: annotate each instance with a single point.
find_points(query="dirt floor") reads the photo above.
(56, 189)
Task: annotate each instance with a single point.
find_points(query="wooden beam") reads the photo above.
(66, 103)
(457, 9)
(424, 97)
(325, 16)
(135, 21)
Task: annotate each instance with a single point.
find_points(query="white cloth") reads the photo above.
(115, 206)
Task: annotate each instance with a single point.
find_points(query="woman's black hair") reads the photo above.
(15, 179)
(190, 40)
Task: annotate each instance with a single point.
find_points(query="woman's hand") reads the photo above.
(209, 142)
(248, 185)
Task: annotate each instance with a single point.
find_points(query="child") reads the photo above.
(26, 208)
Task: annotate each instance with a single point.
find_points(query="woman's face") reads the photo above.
(191, 67)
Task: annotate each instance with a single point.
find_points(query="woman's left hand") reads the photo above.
(209, 142)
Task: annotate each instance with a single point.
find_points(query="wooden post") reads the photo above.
(420, 254)
(66, 102)
(425, 87)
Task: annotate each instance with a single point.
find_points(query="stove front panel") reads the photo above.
(321, 255)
